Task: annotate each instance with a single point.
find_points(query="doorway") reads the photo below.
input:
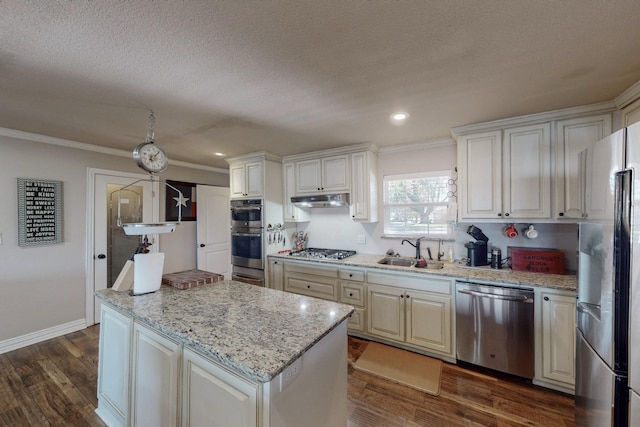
(108, 248)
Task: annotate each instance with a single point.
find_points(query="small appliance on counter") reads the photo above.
(477, 251)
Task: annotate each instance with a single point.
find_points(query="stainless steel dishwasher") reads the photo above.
(494, 327)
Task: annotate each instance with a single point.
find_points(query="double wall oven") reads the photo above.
(247, 241)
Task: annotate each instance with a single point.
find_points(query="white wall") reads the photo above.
(333, 227)
(44, 286)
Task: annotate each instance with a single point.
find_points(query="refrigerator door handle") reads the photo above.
(589, 308)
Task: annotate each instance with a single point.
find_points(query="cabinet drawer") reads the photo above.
(306, 268)
(419, 282)
(357, 320)
(319, 287)
(352, 293)
(353, 275)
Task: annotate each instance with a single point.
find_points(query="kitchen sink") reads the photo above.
(435, 265)
(399, 261)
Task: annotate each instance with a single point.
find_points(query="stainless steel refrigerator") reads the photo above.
(608, 308)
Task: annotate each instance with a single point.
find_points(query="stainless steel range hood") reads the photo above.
(322, 200)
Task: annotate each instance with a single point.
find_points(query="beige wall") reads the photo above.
(44, 286)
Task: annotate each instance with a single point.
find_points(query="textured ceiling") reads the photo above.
(295, 76)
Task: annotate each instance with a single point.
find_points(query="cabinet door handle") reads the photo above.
(407, 296)
(561, 214)
(202, 245)
(350, 275)
(350, 294)
(507, 214)
(402, 296)
(308, 286)
(546, 298)
(499, 214)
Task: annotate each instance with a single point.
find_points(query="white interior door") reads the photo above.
(111, 247)
(213, 229)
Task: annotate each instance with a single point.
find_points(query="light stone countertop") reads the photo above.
(456, 270)
(254, 331)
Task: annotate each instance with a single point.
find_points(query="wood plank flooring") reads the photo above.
(53, 383)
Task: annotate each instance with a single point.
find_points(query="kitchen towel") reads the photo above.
(401, 366)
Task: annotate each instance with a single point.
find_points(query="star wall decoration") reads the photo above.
(181, 200)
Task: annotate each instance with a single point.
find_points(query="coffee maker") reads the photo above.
(477, 251)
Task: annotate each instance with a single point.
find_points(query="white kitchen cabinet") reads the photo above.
(246, 179)
(480, 175)
(154, 379)
(364, 192)
(292, 213)
(573, 136)
(353, 292)
(314, 281)
(526, 172)
(630, 114)
(276, 274)
(411, 316)
(556, 331)
(114, 366)
(505, 174)
(323, 175)
(214, 396)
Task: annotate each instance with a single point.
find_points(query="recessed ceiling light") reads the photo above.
(219, 154)
(399, 117)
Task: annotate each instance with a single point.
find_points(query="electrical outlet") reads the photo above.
(290, 373)
(362, 239)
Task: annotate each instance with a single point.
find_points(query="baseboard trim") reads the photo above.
(42, 335)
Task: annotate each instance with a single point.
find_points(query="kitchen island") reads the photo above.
(226, 353)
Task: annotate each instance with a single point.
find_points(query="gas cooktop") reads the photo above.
(322, 253)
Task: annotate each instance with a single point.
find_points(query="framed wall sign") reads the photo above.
(188, 202)
(39, 212)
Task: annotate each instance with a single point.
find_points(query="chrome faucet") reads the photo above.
(440, 254)
(415, 245)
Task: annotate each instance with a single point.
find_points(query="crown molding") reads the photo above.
(430, 143)
(628, 96)
(61, 142)
(547, 116)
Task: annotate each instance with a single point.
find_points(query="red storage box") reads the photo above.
(536, 260)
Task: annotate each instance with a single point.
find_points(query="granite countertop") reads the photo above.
(457, 271)
(253, 331)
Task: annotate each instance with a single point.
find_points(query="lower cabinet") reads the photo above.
(409, 316)
(313, 281)
(555, 339)
(276, 274)
(113, 366)
(154, 380)
(213, 396)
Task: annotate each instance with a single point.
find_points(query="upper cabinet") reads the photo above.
(292, 213)
(322, 175)
(506, 174)
(249, 175)
(351, 169)
(246, 180)
(527, 168)
(364, 188)
(572, 137)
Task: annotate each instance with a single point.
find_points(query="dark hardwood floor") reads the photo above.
(53, 383)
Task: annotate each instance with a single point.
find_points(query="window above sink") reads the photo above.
(419, 204)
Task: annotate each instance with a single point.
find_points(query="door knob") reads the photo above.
(101, 256)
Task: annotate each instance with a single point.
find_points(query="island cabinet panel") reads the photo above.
(154, 379)
(113, 367)
(213, 396)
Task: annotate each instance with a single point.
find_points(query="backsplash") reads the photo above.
(333, 228)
